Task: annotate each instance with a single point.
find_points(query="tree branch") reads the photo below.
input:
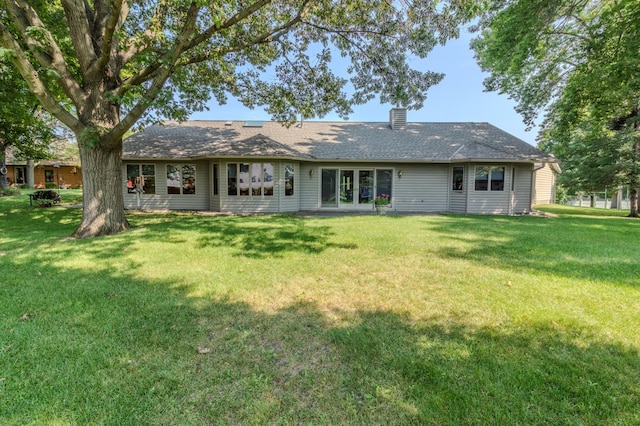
(80, 32)
(243, 14)
(35, 83)
(162, 75)
(139, 44)
(24, 16)
(266, 37)
(118, 15)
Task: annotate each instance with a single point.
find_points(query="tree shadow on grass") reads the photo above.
(248, 236)
(600, 249)
(115, 349)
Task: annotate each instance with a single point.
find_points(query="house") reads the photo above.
(544, 183)
(255, 166)
(43, 174)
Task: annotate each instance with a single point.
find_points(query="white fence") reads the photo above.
(601, 203)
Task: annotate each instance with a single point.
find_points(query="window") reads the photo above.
(141, 174)
(48, 176)
(216, 182)
(250, 179)
(497, 178)
(267, 178)
(288, 179)
(181, 179)
(232, 179)
(489, 178)
(458, 179)
(384, 181)
(328, 188)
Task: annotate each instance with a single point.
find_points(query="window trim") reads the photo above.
(453, 179)
(182, 179)
(249, 191)
(492, 184)
(131, 189)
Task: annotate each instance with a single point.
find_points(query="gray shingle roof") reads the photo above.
(436, 142)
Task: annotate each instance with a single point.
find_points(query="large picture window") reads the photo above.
(181, 179)
(141, 174)
(250, 179)
(489, 178)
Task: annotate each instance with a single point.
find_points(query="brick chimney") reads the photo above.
(398, 118)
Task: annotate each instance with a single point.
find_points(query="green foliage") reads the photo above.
(9, 191)
(21, 127)
(578, 62)
(105, 67)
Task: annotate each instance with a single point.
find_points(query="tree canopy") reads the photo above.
(578, 63)
(103, 66)
(23, 128)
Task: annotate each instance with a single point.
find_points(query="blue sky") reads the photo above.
(459, 97)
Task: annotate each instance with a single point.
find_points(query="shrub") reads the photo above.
(5, 192)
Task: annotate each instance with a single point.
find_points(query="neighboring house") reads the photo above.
(544, 183)
(41, 174)
(247, 167)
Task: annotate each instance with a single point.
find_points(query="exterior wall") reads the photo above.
(458, 198)
(309, 186)
(544, 188)
(65, 176)
(278, 202)
(488, 202)
(522, 189)
(161, 200)
(422, 188)
(289, 203)
(311, 183)
(204, 198)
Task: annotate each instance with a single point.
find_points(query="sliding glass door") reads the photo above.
(328, 194)
(354, 188)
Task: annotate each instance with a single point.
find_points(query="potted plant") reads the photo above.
(382, 203)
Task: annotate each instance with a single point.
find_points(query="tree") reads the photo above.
(120, 63)
(577, 62)
(22, 128)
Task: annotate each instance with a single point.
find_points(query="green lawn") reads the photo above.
(193, 319)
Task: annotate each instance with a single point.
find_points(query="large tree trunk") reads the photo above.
(103, 205)
(634, 185)
(633, 201)
(4, 181)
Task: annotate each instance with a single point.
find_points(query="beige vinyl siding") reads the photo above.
(245, 203)
(545, 185)
(522, 189)
(163, 201)
(309, 186)
(214, 200)
(289, 203)
(488, 202)
(422, 188)
(458, 199)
